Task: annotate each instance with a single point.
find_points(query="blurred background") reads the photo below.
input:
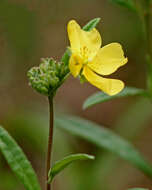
(35, 29)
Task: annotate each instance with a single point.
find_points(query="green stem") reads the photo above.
(148, 48)
(50, 141)
(145, 17)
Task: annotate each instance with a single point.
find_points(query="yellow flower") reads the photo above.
(90, 60)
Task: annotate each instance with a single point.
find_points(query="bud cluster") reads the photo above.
(48, 77)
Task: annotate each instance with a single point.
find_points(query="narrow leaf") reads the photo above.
(92, 24)
(18, 161)
(104, 138)
(61, 164)
(130, 4)
(100, 97)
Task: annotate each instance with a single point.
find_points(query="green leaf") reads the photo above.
(92, 24)
(18, 161)
(104, 138)
(100, 97)
(61, 164)
(130, 125)
(130, 4)
(66, 56)
(137, 115)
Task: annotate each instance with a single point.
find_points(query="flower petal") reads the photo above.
(74, 66)
(85, 42)
(91, 41)
(109, 86)
(74, 31)
(108, 59)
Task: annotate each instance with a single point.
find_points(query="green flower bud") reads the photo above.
(48, 77)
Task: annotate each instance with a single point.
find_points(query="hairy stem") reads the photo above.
(50, 141)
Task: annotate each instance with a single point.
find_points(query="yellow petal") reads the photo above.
(74, 31)
(108, 59)
(83, 42)
(109, 86)
(91, 41)
(74, 66)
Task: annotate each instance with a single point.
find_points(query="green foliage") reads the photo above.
(92, 24)
(18, 161)
(61, 164)
(104, 138)
(100, 97)
(66, 56)
(65, 61)
(131, 124)
(130, 4)
(137, 115)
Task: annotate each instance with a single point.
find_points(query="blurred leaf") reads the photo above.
(26, 137)
(92, 24)
(137, 115)
(130, 4)
(18, 161)
(100, 97)
(130, 125)
(104, 138)
(61, 164)
(26, 120)
(66, 56)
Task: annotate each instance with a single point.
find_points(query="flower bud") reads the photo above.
(48, 77)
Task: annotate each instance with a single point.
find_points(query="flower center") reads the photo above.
(84, 52)
(82, 57)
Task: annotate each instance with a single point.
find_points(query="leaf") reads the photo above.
(130, 125)
(92, 24)
(137, 115)
(18, 161)
(66, 56)
(130, 4)
(104, 138)
(100, 97)
(61, 164)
